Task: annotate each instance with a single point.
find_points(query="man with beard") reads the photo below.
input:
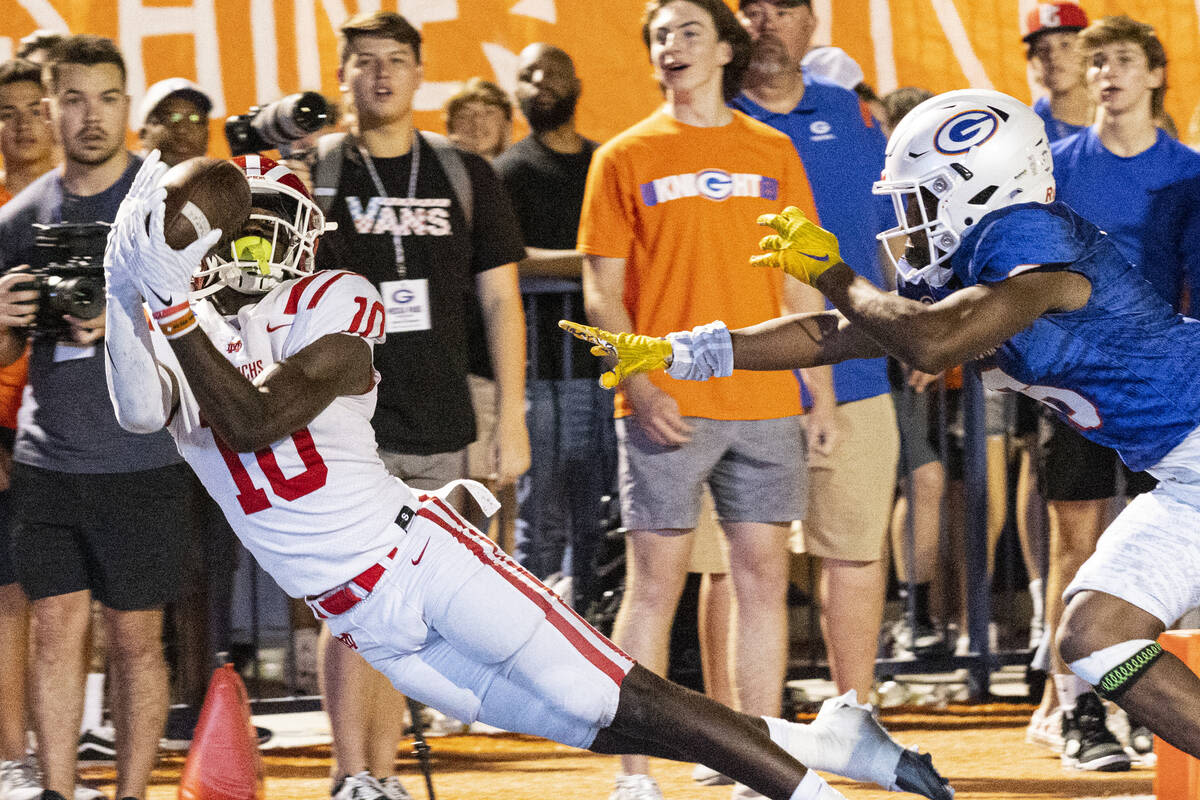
(572, 441)
(852, 477)
(71, 540)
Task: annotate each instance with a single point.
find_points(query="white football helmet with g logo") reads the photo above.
(973, 150)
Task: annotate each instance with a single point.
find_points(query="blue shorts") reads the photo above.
(755, 469)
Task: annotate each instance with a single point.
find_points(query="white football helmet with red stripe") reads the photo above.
(280, 238)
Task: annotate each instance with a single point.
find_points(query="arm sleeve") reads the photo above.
(139, 387)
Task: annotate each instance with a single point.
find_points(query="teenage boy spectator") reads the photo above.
(1126, 75)
(27, 146)
(852, 479)
(402, 224)
(173, 119)
(71, 542)
(662, 253)
(1053, 53)
(573, 443)
(479, 118)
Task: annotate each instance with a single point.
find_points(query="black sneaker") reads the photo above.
(1088, 744)
(96, 748)
(926, 640)
(181, 726)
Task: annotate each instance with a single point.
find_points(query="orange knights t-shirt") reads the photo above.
(12, 377)
(679, 203)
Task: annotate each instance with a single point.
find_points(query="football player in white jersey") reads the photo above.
(263, 374)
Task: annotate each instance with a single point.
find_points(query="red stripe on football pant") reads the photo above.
(553, 610)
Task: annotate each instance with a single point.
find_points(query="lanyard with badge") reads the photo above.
(406, 300)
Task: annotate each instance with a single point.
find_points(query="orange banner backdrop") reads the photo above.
(253, 51)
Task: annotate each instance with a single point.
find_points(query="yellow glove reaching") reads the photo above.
(799, 246)
(634, 353)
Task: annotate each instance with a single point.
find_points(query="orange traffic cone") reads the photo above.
(223, 761)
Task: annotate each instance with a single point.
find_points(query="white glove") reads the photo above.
(163, 274)
(147, 179)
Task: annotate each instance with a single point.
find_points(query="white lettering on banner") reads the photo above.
(305, 21)
(44, 16)
(138, 21)
(266, 56)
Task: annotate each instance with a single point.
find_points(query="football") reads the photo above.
(202, 194)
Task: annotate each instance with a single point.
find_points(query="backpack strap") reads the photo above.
(327, 169)
(455, 169)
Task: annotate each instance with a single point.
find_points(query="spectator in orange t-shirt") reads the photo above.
(27, 146)
(665, 250)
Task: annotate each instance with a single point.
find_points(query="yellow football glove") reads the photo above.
(634, 353)
(799, 246)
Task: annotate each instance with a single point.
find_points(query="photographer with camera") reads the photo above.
(96, 509)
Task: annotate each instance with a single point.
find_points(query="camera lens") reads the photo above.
(81, 296)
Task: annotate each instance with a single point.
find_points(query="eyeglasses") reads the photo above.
(178, 118)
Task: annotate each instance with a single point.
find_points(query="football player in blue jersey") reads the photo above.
(995, 269)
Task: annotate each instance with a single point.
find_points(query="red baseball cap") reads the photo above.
(1053, 17)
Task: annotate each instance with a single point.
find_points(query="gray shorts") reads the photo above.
(755, 469)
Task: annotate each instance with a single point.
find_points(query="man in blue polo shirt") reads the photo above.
(853, 479)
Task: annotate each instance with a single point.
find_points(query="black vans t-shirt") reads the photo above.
(424, 406)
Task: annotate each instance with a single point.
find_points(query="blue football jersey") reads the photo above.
(1124, 370)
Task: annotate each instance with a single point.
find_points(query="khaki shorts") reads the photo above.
(710, 549)
(851, 490)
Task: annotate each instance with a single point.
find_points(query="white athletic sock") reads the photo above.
(814, 787)
(844, 739)
(778, 730)
(93, 702)
(1036, 598)
(1068, 688)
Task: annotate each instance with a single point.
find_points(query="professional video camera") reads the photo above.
(67, 270)
(276, 125)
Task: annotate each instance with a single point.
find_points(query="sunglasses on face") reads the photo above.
(179, 118)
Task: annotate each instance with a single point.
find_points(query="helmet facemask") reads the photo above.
(278, 241)
(918, 208)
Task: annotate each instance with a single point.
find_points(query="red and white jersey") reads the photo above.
(315, 508)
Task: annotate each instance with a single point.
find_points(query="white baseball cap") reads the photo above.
(832, 63)
(160, 91)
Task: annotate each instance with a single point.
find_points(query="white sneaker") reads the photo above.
(847, 740)
(359, 786)
(743, 792)
(88, 793)
(636, 787)
(1045, 729)
(709, 777)
(393, 789)
(19, 780)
